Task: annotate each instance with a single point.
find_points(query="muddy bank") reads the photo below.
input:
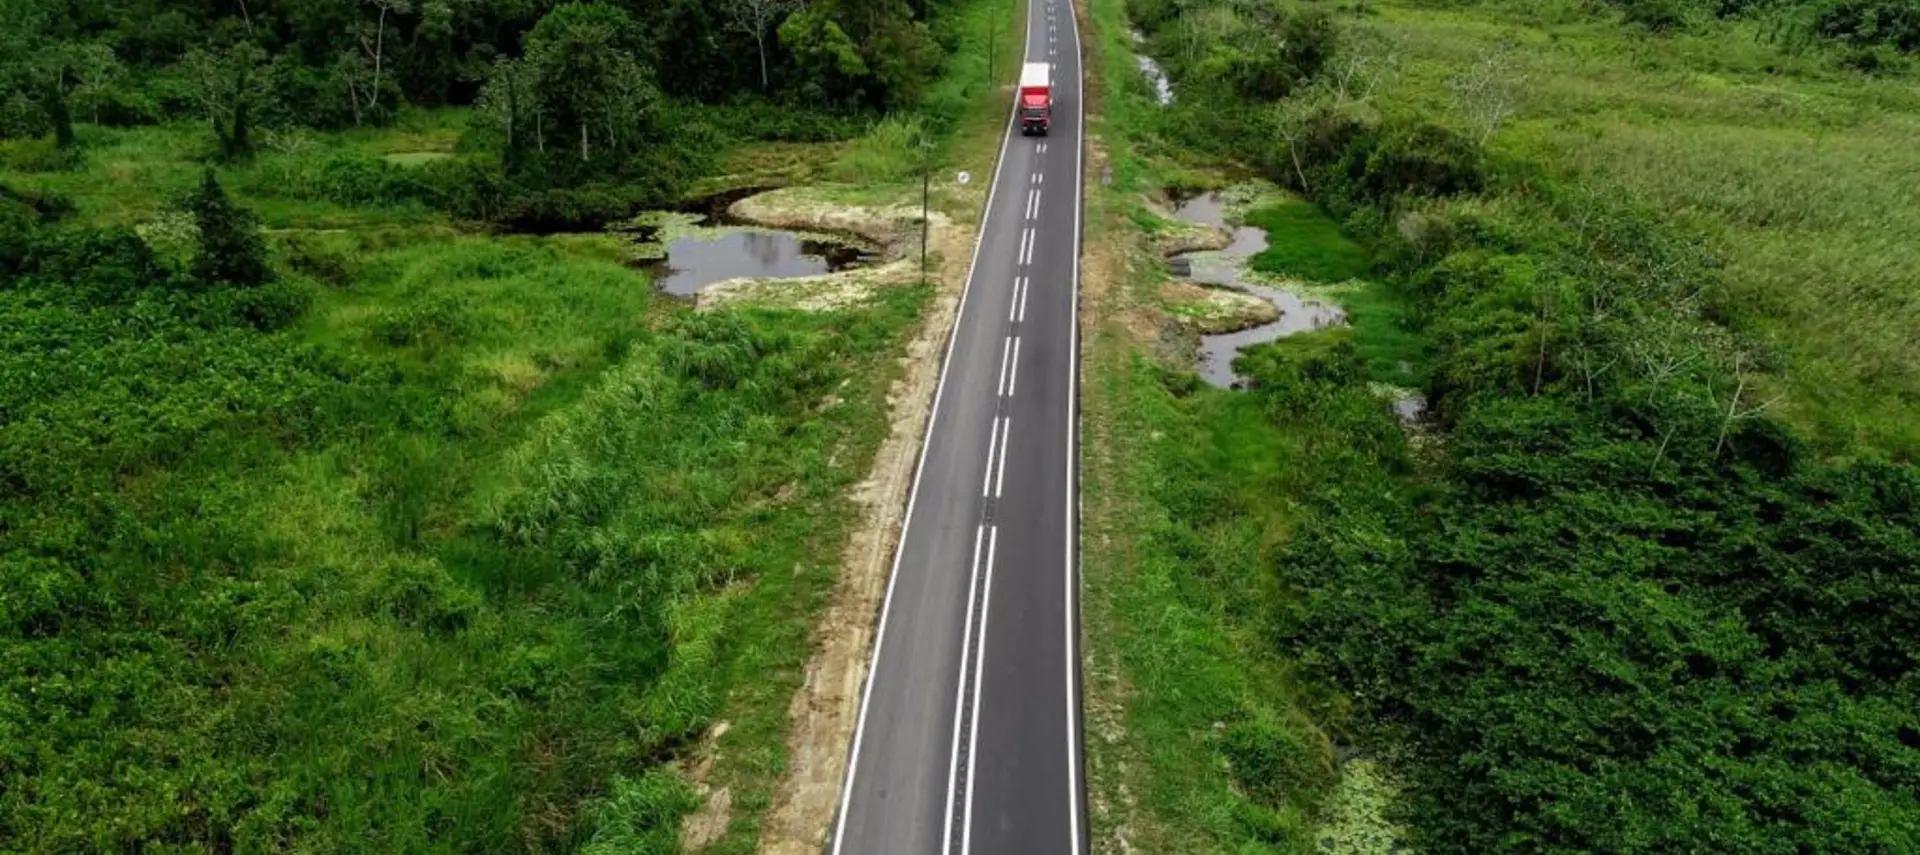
(1215, 311)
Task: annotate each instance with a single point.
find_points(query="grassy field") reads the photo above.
(1282, 571)
(469, 557)
(1801, 177)
(1192, 711)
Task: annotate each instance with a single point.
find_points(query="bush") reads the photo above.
(1892, 23)
(888, 152)
(230, 249)
(39, 154)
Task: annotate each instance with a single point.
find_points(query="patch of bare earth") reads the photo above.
(706, 825)
(1213, 311)
(823, 713)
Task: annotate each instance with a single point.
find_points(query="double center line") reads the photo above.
(986, 536)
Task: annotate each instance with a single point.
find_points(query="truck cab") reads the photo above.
(1036, 98)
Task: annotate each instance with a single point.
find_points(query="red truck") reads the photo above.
(1036, 98)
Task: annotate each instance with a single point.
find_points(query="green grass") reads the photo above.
(1188, 493)
(129, 175)
(1797, 173)
(1302, 243)
(525, 554)
(468, 557)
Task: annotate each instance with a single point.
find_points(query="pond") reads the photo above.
(715, 255)
(700, 244)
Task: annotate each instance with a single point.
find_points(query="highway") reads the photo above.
(969, 736)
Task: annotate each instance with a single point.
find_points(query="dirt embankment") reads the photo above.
(823, 712)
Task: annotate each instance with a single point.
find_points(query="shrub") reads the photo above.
(39, 154)
(231, 251)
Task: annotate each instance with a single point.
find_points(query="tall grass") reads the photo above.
(1801, 175)
(459, 562)
(891, 152)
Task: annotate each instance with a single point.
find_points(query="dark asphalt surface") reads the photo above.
(969, 732)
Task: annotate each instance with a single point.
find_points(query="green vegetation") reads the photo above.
(1303, 244)
(1637, 589)
(486, 535)
(1791, 168)
(331, 522)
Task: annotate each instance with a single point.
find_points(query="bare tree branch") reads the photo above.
(755, 18)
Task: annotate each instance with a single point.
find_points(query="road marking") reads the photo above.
(1038, 194)
(1041, 178)
(1013, 305)
(1026, 247)
(1013, 374)
(993, 442)
(1006, 353)
(1033, 204)
(1073, 462)
(959, 698)
(1025, 286)
(1000, 477)
(913, 497)
(973, 736)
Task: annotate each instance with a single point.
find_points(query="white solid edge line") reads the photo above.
(959, 698)
(1013, 368)
(973, 726)
(913, 495)
(999, 480)
(1073, 461)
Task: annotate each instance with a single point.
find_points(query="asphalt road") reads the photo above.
(969, 731)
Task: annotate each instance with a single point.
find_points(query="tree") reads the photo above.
(229, 88)
(373, 42)
(1488, 92)
(756, 18)
(587, 80)
(230, 252)
(1293, 117)
(98, 77)
(511, 105)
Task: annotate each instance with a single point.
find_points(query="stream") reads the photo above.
(1162, 87)
(1226, 268)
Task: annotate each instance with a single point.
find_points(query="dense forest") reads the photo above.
(583, 109)
(1621, 593)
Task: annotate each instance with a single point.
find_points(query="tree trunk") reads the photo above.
(1297, 170)
(760, 40)
(583, 140)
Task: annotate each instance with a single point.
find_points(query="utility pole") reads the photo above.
(926, 190)
(926, 178)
